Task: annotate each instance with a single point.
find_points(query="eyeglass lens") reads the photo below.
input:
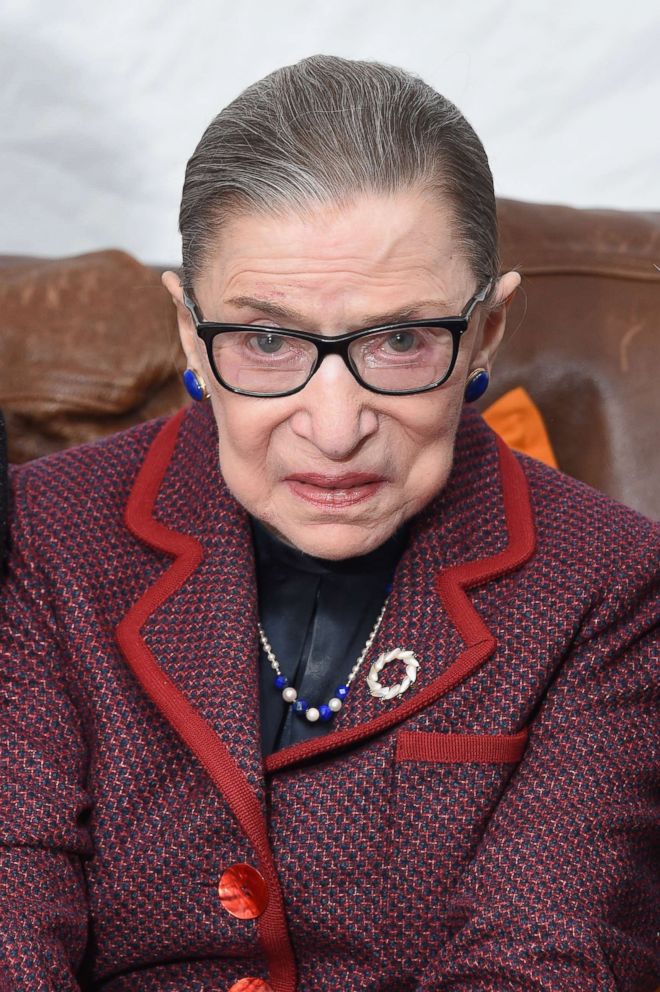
(392, 360)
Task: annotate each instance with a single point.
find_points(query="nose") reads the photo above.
(335, 413)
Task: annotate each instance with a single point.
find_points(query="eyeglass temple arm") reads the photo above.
(192, 307)
(476, 299)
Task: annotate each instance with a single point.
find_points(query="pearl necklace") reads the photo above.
(290, 695)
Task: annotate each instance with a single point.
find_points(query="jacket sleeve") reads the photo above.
(43, 803)
(563, 890)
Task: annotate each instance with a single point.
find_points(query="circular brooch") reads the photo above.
(390, 692)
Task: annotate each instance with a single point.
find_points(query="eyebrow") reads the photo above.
(278, 312)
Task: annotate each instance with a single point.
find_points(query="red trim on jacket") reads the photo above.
(435, 748)
(453, 582)
(193, 730)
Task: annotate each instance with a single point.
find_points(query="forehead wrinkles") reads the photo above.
(436, 269)
(364, 246)
(280, 279)
(315, 262)
(344, 295)
(380, 244)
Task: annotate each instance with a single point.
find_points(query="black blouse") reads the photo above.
(317, 616)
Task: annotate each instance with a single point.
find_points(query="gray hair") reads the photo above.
(324, 130)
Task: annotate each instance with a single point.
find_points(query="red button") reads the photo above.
(250, 985)
(243, 893)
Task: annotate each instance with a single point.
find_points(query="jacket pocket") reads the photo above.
(445, 790)
(434, 748)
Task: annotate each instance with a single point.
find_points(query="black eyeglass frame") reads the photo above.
(207, 330)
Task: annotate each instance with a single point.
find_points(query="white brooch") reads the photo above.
(397, 654)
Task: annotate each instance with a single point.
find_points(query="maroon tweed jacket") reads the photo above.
(492, 829)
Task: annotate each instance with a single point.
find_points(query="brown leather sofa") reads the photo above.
(88, 345)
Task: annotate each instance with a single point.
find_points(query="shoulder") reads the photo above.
(3, 495)
(570, 511)
(81, 488)
(98, 470)
(572, 520)
(607, 555)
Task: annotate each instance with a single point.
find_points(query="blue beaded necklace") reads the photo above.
(301, 707)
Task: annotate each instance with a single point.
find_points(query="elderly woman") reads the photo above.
(317, 686)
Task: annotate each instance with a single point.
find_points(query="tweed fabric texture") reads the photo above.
(4, 508)
(415, 874)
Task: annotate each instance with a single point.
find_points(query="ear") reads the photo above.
(187, 333)
(494, 323)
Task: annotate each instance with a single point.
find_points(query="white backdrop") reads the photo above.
(101, 104)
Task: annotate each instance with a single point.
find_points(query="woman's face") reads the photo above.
(336, 469)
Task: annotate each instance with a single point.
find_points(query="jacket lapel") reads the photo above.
(199, 620)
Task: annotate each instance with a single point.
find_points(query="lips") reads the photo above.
(347, 481)
(335, 492)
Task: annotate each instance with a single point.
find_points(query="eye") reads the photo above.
(402, 341)
(267, 344)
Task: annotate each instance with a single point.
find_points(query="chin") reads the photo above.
(334, 541)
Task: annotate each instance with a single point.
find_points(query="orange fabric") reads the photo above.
(518, 421)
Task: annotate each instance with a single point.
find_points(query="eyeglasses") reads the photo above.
(393, 359)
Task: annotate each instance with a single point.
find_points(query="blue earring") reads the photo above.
(195, 385)
(476, 385)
